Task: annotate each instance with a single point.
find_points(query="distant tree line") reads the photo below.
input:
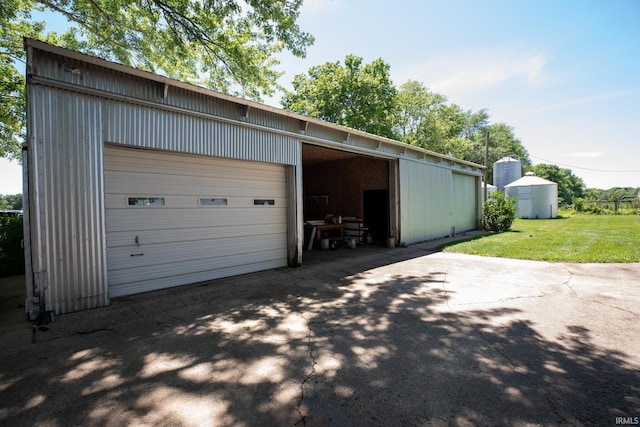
(617, 200)
(570, 187)
(11, 202)
(363, 96)
(11, 235)
(612, 194)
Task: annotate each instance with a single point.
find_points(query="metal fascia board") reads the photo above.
(303, 138)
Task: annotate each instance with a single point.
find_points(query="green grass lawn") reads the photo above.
(569, 238)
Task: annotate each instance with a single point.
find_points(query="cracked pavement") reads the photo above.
(364, 337)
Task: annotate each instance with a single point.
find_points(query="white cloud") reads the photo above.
(478, 69)
(579, 101)
(590, 99)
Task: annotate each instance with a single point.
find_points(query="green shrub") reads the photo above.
(498, 212)
(11, 252)
(589, 207)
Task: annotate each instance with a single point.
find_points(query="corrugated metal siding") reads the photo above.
(425, 201)
(57, 68)
(327, 133)
(67, 229)
(147, 127)
(202, 103)
(465, 202)
(111, 81)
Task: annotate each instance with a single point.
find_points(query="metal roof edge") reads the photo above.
(71, 54)
(530, 180)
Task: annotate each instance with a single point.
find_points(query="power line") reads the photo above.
(587, 169)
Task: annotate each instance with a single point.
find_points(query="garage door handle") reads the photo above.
(137, 254)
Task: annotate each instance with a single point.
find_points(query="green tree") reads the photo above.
(618, 192)
(11, 252)
(416, 107)
(441, 131)
(570, 187)
(470, 145)
(425, 119)
(592, 194)
(14, 25)
(502, 143)
(11, 201)
(475, 123)
(357, 95)
(227, 45)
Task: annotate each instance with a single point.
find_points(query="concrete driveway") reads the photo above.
(390, 337)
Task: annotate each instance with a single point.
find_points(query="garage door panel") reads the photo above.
(187, 201)
(180, 241)
(150, 255)
(158, 259)
(191, 234)
(183, 279)
(192, 183)
(129, 279)
(172, 185)
(191, 168)
(159, 218)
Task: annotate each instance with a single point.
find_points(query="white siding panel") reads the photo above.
(425, 201)
(465, 197)
(182, 242)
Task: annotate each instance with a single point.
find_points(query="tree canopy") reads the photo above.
(226, 45)
(417, 108)
(353, 94)
(11, 201)
(364, 97)
(570, 187)
(425, 118)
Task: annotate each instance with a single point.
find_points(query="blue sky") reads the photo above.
(564, 74)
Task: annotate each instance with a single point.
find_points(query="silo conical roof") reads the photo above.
(506, 159)
(530, 180)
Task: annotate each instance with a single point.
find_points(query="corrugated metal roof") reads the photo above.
(401, 147)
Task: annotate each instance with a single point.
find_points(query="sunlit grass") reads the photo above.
(569, 238)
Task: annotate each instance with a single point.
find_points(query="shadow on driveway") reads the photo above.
(368, 341)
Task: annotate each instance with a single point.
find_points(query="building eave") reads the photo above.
(245, 104)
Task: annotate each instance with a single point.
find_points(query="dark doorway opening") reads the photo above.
(375, 207)
(335, 185)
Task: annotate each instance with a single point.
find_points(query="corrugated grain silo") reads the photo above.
(536, 198)
(505, 171)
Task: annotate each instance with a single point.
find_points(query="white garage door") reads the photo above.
(175, 219)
